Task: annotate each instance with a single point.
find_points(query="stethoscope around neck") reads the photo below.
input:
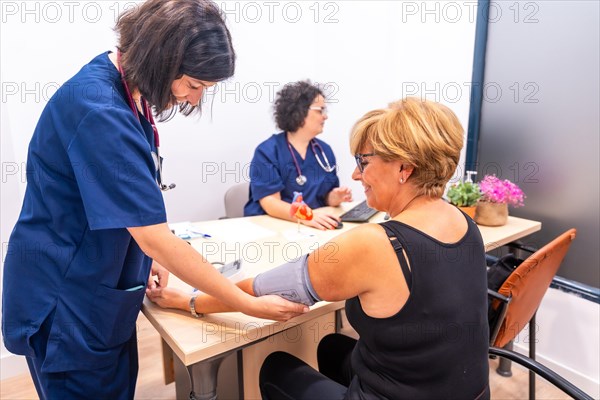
(148, 114)
(302, 179)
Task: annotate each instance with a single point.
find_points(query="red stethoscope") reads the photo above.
(302, 179)
(148, 114)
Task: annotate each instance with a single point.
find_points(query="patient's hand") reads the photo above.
(167, 297)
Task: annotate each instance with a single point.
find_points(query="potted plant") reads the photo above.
(464, 195)
(496, 196)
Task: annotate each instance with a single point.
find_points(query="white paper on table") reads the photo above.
(185, 230)
(180, 228)
(235, 230)
(295, 235)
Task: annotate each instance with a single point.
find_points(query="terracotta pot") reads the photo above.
(470, 211)
(491, 214)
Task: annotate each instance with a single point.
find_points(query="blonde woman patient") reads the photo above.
(415, 286)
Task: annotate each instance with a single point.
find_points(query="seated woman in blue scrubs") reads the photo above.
(296, 161)
(79, 259)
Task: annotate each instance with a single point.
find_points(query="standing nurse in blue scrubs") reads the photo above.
(79, 260)
(296, 161)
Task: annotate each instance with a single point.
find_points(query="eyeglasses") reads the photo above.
(322, 110)
(360, 163)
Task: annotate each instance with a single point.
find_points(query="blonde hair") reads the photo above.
(422, 133)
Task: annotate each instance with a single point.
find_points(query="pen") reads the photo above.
(135, 288)
(201, 234)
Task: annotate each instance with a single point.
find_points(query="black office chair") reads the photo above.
(516, 303)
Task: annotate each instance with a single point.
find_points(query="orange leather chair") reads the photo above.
(517, 301)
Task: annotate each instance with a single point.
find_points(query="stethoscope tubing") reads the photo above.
(327, 168)
(313, 144)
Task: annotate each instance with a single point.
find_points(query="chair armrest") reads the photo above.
(498, 318)
(498, 296)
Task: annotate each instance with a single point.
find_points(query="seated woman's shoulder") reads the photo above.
(362, 244)
(364, 235)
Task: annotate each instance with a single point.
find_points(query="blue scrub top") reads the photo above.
(272, 170)
(70, 258)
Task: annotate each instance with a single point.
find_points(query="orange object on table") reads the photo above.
(299, 209)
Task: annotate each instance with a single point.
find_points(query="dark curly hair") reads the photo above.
(292, 102)
(161, 40)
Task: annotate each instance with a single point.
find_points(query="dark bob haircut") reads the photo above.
(292, 102)
(161, 40)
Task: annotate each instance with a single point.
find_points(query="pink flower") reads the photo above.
(495, 190)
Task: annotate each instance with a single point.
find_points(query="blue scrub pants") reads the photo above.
(112, 382)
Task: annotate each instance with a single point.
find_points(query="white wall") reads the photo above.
(369, 53)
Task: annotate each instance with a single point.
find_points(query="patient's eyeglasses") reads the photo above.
(322, 110)
(360, 163)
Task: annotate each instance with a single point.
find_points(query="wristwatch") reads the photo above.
(193, 307)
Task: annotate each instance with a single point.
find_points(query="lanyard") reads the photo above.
(148, 114)
(146, 108)
(301, 179)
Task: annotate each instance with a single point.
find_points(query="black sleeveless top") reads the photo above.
(436, 346)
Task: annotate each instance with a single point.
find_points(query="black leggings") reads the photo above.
(284, 376)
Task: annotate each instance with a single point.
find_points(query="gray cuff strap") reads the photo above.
(289, 280)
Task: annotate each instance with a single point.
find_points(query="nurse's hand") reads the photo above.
(339, 195)
(322, 220)
(169, 297)
(160, 273)
(274, 307)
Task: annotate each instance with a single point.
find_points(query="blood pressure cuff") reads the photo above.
(289, 280)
